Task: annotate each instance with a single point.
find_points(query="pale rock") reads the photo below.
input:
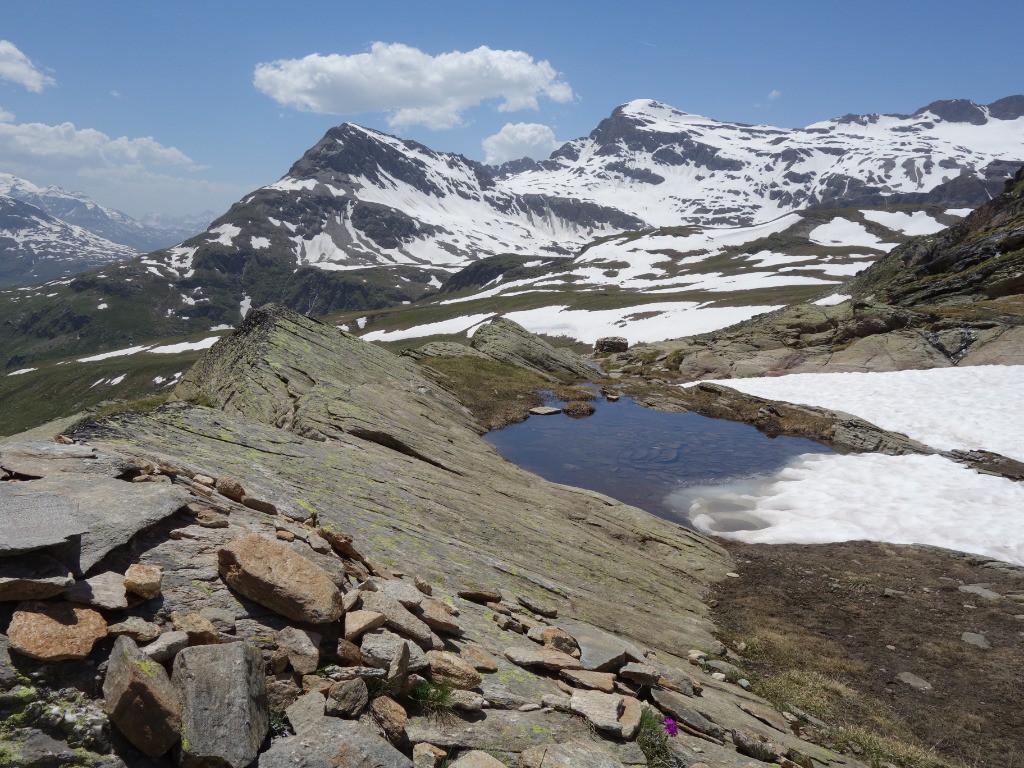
(398, 671)
(403, 591)
(422, 585)
(302, 647)
(167, 646)
(333, 743)
(481, 660)
(466, 701)
(629, 720)
(143, 580)
(358, 623)
(307, 712)
(547, 658)
(104, 591)
(399, 619)
(557, 702)
(137, 628)
(601, 709)
(229, 487)
(427, 756)
(572, 754)
(438, 616)
(379, 646)
(601, 681)
(477, 759)
(538, 606)
(55, 631)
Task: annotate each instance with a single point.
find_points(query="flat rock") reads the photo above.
(574, 754)
(452, 669)
(544, 410)
(167, 646)
(404, 592)
(466, 701)
(306, 712)
(55, 631)
(137, 628)
(601, 709)
(32, 577)
(482, 595)
(399, 619)
(641, 674)
(477, 759)
(915, 682)
(378, 649)
(358, 623)
(481, 660)
(977, 640)
(679, 709)
(538, 606)
(224, 704)
(981, 590)
(599, 650)
(548, 658)
(105, 591)
(140, 699)
(334, 743)
(106, 512)
(436, 615)
(274, 576)
(581, 678)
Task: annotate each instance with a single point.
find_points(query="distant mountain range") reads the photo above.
(365, 220)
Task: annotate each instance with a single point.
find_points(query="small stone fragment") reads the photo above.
(260, 505)
(206, 480)
(302, 647)
(143, 580)
(229, 487)
(547, 658)
(55, 631)
(137, 628)
(199, 629)
(347, 698)
(453, 670)
(601, 681)
(423, 586)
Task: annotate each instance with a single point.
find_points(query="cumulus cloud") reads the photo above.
(516, 140)
(5, 116)
(412, 87)
(774, 94)
(132, 174)
(16, 68)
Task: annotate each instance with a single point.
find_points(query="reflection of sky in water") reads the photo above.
(661, 462)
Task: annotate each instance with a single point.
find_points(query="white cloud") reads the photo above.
(413, 87)
(516, 140)
(5, 116)
(774, 94)
(73, 146)
(15, 67)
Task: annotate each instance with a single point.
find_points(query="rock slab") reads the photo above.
(55, 631)
(140, 699)
(334, 742)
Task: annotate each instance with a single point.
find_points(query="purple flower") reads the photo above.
(671, 727)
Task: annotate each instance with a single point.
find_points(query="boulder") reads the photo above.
(276, 577)
(105, 591)
(55, 631)
(379, 647)
(33, 577)
(451, 669)
(229, 487)
(334, 742)
(480, 595)
(477, 759)
(140, 699)
(599, 650)
(509, 342)
(199, 629)
(438, 616)
(390, 716)
(556, 638)
(538, 606)
(601, 709)
(358, 623)
(306, 712)
(143, 580)
(404, 592)
(611, 344)
(224, 704)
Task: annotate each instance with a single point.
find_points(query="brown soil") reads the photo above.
(821, 613)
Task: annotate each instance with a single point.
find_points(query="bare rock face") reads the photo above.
(611, 344)
(55, 631)
(601, 709)
(140, 699)
(567, 755)
(224, 716)
(280, 579)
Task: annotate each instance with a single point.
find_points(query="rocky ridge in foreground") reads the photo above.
(330, 567)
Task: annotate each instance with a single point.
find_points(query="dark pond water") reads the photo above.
(661, 462)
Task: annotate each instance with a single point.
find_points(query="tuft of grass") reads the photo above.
(877, 750)
(433, 699)
(141, 404)
(575, 394)
(653, 740)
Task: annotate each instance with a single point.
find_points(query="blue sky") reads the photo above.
(167, 117)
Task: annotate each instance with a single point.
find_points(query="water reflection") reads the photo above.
(666, 463)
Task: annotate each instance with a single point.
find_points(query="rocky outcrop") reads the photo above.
(507, 341)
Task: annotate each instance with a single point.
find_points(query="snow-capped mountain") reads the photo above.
(35, 246)
(75, 208)
(361, 198)
(668, 167)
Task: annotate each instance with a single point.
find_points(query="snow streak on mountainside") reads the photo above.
(361, 198)
(35, 246)
(75, 208)
(668, 167)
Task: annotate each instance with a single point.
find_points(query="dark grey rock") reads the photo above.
(224, 715)
(167, 646)
(334, 743)
(9, 676)
(104, 590)
(347, 698)
(31, 519)
(140, 699)
(380, 646)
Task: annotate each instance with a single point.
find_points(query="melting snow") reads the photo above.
(226, 233)
(911, 224)
(115, 353)
(185, 346)
(21, 371)
(259, 243)
(844, 232)
(245, 306)
(835, 298)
